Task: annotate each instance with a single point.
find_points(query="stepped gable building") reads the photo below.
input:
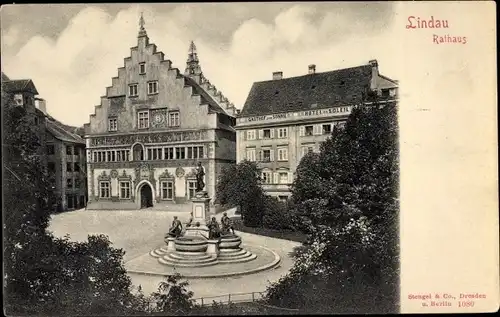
(284, 118)
(151, 129)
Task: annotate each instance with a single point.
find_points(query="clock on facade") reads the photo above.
(158, 118)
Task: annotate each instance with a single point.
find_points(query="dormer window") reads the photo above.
(142, 68)
(18, 99)
(152, 87)
(133, 90)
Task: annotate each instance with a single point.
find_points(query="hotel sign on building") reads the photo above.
(152, 128)
(283, 119)
(308, 114)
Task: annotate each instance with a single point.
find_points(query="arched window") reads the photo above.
(138, 151)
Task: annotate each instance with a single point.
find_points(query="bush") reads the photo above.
(276, 215)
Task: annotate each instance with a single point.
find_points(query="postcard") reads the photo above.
(250, 158)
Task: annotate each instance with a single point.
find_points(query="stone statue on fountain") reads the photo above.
(214, 229)
(176, 228)
(200, 184)
(226, 224)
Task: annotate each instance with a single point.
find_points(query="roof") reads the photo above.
(205, 96)
(61, 131)
(311, 91)
(4, 77)
(19, 85)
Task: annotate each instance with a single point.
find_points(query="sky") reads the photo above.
(71, 52)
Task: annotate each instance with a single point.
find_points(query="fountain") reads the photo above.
(195, 248)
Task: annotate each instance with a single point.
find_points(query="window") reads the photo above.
(70, 201)
(76, 167)
(69, 167)
(282, 133)
(283, 198)
(327, 128)
(78, 182)
(133, 91)
(51, 166)
(143, 119)
(138, 152)
(167, 190)
(283, 154)
(180, 153)
(251, 155)
(194, 152)
(267, 177)
(104, 189)
(309, 130)
(191, 188)
(69, 150)
(283, 178)
(95, 156)
(251, 135)
(51, 149)
(142, 68)
(174, 119)
(69, 183)
(108, 156)
(124, 190)
(112, 124)
(266, 134)
(152, 87)
(385, 93)
(266, 155)
(169, 153)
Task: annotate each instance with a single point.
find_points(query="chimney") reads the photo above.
(312, 69)
(41, 105)
(277, 75)
(374, 65)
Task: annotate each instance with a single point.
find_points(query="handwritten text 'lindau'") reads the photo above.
(420, 23)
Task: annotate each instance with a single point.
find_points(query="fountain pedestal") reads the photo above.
(170, 244)
(213, 247)
(201, 208)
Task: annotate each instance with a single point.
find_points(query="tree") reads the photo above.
(172, 297)
(346, 199)
(45, 275)
(240, 185)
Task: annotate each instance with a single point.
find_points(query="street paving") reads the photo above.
(137, 232)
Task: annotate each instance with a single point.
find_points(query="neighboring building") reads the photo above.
(284, 118)
(66, 160)
(152, 127)
(66, 171)
(24, 93)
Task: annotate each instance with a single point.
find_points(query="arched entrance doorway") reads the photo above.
(146, 196)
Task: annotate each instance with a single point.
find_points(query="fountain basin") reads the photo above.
(191, 244)
(230, 242)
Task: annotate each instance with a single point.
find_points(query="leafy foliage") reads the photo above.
(239, 185)
(172, 297)
(276, 215)
(345, 198)
(45, 275)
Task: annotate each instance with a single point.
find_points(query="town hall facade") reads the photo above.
(152, 128)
